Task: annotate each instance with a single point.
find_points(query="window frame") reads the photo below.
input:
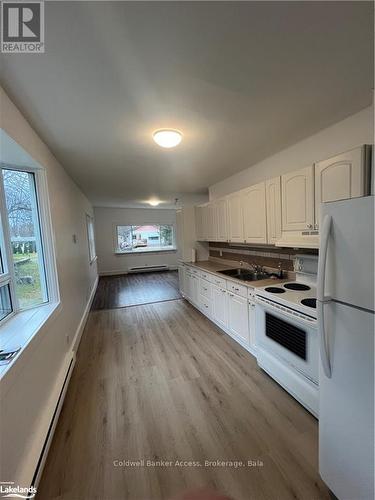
(41, 199)
(117, 251)
(91, 243)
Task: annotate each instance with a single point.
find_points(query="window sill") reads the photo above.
(169, 250)
(22, 330)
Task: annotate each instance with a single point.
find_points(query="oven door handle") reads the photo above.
(321, 299)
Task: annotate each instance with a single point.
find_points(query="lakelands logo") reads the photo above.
(9, 490)
(22, 27)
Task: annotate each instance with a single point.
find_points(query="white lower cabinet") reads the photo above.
(181, 279)
(191, 287)
(220, 306)
(252, 326)
(205, 296)
(226, 302)
(205, 305)
(205, 288)
(238, 320)
(195, 289)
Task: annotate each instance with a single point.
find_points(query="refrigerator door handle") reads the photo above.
(323, 343)
(324, 356)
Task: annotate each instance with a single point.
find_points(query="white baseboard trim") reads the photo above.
(82, 323)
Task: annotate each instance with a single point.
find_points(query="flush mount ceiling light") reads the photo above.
(154, 203)
(167, 138)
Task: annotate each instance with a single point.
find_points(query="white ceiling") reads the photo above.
(242, 80)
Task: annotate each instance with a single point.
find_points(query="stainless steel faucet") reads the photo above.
(254, 267)
(243, 263)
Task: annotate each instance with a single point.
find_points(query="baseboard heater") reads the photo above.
(52, 426)
(145, 269)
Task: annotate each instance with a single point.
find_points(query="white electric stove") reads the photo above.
(298, 296)
(286, 332)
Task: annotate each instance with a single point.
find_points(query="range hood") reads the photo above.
(299, 239)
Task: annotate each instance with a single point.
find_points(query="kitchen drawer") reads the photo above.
(193, 270)
(205, 288)
(237, 289)
(250, 293)
(206, 305)
(216, 280)
(205, 275)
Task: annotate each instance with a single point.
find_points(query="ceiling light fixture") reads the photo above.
(167, 138)
(154, 203)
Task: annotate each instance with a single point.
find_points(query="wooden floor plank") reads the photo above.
(160, 381)
(135, 289)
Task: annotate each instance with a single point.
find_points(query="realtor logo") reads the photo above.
(22, 27)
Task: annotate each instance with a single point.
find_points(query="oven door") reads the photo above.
(291, 340)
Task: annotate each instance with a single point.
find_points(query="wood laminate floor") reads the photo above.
(161, 382)
(135, 289)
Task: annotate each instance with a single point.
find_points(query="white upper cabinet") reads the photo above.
(254, 214)
(339, 178)
(211, 221)
(221, 220)
(211, 231)
(273, 203)
(203, 222)
(235, 218)
(199, 222)
(297, 190)
(185, 232)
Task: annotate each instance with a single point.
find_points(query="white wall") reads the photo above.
(29, 390)
(106, 220)
(354, 131)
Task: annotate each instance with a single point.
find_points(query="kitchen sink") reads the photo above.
(245, 274)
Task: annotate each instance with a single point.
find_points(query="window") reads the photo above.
(91, 237)
(23, 277)
(147, 238)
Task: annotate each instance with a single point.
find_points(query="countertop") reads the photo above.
(214, 267)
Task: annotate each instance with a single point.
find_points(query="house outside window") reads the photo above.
(145, 238)
(27, 267)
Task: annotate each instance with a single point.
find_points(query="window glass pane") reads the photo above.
(20, 196)
(5, 302)
(146, 238)
(166, 235)
(1, 262)
(91, 237)
(124, 238)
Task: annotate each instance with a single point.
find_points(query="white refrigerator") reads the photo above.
(345, 294)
